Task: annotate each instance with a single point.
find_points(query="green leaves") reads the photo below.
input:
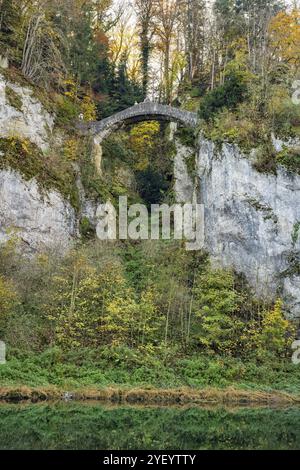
(216, 305)
(228, 96)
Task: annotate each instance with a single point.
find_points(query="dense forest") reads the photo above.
(230, 56)
(145, 312)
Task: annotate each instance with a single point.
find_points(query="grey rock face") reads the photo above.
(33, 122)
(89, 211)
(291, 289)
(183, 181)
(280, 144)
(4, 62)
(2, 353)
(39, 221)
(252, 221)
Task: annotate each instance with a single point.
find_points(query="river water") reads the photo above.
(93, 426)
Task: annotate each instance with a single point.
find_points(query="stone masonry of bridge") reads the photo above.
(143, 111)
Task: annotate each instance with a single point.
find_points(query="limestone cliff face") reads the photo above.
(183, 181)
(39, 220)
(252, 221)
(30, 121)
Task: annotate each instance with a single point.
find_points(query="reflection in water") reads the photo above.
(93, 426)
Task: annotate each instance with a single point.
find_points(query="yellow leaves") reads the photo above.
(121, 310)
(131, 320)
(228, 127)
(17, 144)
(284, 30)
(71, 88)
(71, 149)
(94, 305)
(79, 307)
(7, 293)
(86, 106)
(88, 109)
(178, 64)
(42, 259)
(276, 330)
(270, 334)
(142, 135)
(218, 307)
(8, 300)
(123, 42)
(142, 141)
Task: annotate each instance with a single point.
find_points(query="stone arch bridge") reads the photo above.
(145, 111)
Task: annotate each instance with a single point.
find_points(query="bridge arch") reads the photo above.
(145, 111)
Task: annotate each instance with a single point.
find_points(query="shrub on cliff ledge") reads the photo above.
(227, 96)
(290, 159)
(54, 171)
(13, 98)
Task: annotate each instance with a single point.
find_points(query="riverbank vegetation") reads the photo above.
(138, 314)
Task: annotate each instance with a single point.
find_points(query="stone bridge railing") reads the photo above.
(143, 111)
